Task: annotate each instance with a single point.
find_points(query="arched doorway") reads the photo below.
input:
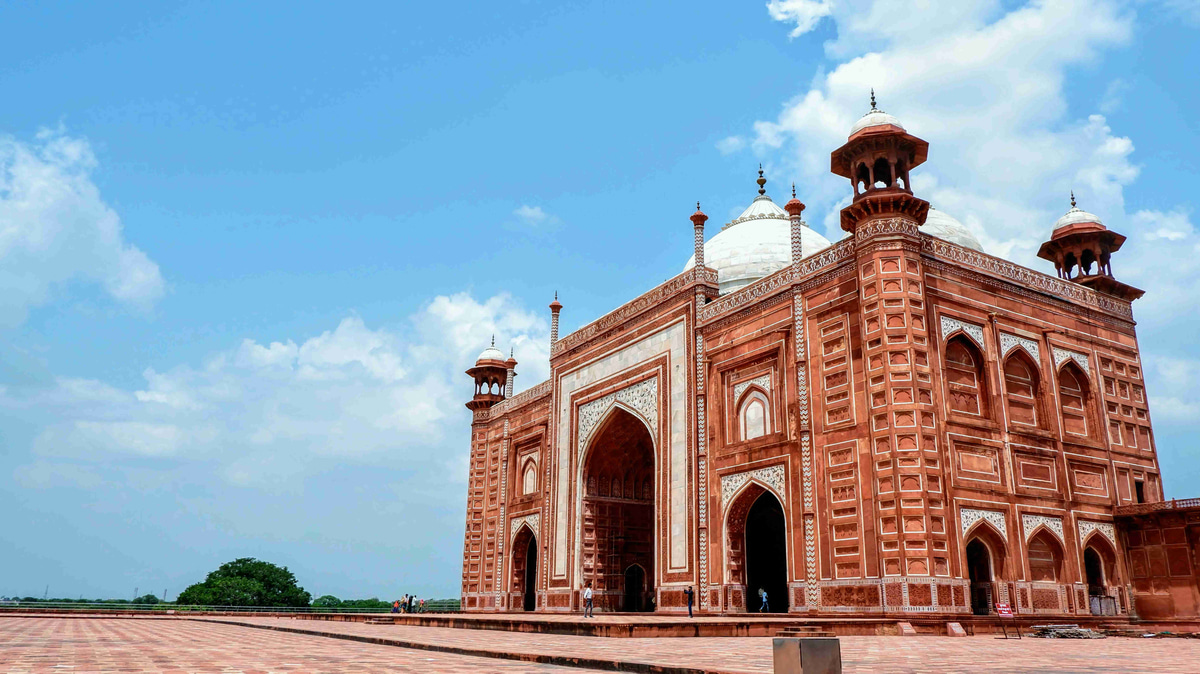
(635, 589)
(524, 569)
(766, 555)
(529, 601)
(979, 569)
(618, 514)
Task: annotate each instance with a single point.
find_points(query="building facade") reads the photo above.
(895, 423)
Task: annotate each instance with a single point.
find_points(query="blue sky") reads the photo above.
(247, 250)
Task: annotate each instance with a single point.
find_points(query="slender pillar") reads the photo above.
(512, 374)
(698, 220)
(555, 307)
(794, 208)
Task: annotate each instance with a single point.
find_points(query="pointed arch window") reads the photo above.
(1045, 558)
(529, 478)
(964, 376)
(1021, 389)
(1073, 398)
(754, 415)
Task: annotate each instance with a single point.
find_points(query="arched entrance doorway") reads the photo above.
(766, 555)
(756, 550)
(635, 589)
(618, 514)
(980, 567)
(524, 569)
(1099, 565)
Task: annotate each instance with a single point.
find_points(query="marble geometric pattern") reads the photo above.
(1086, 527)
(969, 516)
(1009, 342)
(952, 325)
(1061, 355)
(1030, 522)
(772, 476)
(642, 396)
(534, 521)
(763, 382)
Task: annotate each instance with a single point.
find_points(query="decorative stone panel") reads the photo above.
(1086, 527)
(1031, 522)
(772, 476)
(969, 516)
(952, 325)
(1061, 355)
(763, 382)
(534, 521)
(1009, 342)
(642, 397)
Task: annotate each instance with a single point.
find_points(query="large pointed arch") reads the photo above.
(757, 547)
(615, 520)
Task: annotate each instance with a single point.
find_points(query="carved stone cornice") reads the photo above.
(877, 203)
(974, 264)
(523, 398)
(629, 310)
(886, 227)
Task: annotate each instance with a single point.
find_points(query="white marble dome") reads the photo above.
(946, 228)
(755, 245)
(490, 353)
(875, 118)
(1076, 216)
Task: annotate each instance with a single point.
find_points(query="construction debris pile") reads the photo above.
(1065, 632)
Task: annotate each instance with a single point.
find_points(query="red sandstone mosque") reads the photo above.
(896, 423)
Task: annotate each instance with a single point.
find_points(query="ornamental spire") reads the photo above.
(873, 108)
(761, 181)
(1072, 198)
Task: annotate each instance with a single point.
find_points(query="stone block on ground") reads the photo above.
(906, 629)
(807, 655)
(955, 630)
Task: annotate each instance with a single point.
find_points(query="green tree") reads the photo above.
(146, 599)
(247, 582)
(327, 601)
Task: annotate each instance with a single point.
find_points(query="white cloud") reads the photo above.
(262, 412)
(1188, 10)
(731, 144)
(804, 13)
(55, 228)
(1171, 226)
(534, 216)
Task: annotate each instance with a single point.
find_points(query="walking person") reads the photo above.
(396, 606)
(765, 608)
(589, 611)
(691, 597)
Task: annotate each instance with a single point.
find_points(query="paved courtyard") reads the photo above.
(29, 645)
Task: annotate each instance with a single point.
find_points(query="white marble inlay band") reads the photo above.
(763, 382)
(1031, 522)
(952, 325)
(1009, 342)
(969, 516)
(772, 476)
(1061, 355)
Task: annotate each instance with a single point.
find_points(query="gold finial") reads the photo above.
(1072, 198)
(793, 190)
(873, 99)
(761, 181)
(493, 340)
(697, 205)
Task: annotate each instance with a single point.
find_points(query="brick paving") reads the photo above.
(29, 645)
(41, 645)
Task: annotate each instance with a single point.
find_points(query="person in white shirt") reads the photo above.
(588, 610)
